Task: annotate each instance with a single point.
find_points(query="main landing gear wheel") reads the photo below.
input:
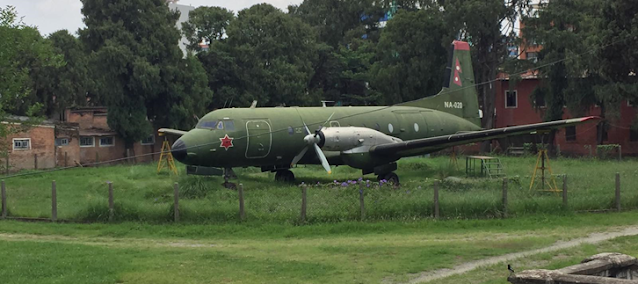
(391, 178)
(285, 176)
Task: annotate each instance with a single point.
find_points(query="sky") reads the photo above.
(53, 15)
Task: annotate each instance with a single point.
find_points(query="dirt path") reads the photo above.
(469, 266)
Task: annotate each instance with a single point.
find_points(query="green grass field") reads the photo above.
(143, 195)
(398, 240)
(346, 252)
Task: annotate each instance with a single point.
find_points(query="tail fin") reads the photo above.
(458, 95)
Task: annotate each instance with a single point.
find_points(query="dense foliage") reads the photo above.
(357, 52)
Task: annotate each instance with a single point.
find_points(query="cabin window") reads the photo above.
(390, 127)
(211, 124)
(291, 131)
(107, 141)
(229, 125)
(570, 133)
(61, 141)
(149, 140)
(416, 127)
(511, 99)
(86, 141)
(21, 143)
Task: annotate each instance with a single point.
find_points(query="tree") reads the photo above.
(138, 67)
(207, 23)
(480, 22)
(275, 53)
(23, 50)
(60, 87)
(411, 56)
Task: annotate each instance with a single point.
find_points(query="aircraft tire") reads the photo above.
(391, 178)
(284, 176)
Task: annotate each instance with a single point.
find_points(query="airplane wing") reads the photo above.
(169, 131)
(432, 144)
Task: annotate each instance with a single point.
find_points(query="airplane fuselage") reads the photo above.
(271, 137)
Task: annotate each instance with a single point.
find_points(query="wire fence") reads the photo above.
(192, 200)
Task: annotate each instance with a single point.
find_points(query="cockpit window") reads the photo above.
(220, 126)
(207, 124)
(229, 125)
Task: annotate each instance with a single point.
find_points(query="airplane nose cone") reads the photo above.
(179, 150)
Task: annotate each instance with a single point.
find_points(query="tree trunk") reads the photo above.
(488, 94)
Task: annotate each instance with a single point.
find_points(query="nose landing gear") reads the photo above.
(391, 178)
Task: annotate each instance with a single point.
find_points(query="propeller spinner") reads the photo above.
(313, 141)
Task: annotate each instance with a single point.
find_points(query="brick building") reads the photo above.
(81, 137)
(514, 107)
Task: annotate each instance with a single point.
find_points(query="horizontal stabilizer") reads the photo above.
(169, 131)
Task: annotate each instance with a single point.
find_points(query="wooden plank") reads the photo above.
(618, 192)
(505, 198)
(362, 203)
(54, 202)
(436, 199)
(176, 201)
(111, 202)
(565, 192)
(240, 192)
(4, 201)
(303, 204)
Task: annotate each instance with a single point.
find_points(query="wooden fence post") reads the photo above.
(176, 201)
(54, 202)
(565, 191)
(619, 152)
(240, 192)
(504, 197)
(436, 199)
(361, 203)
(97, 159)
(303, 204)
(65, 160)
(4, 201)
(6, 169)
(111, 203)
(35, 161)
(618, 191)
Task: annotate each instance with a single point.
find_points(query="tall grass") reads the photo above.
(145, 196)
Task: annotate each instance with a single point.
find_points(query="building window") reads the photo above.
(149, 140)
(605, 136)
(532, 56)
(86, 141)
(21, 143)
(633, 135)
(106, 141)
(540, 101)
(61, 141)
(570, 133)
(629, 104)
(511, 99)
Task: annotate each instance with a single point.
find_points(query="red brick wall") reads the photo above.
(87, 119)
(42, 144)
(525, 113)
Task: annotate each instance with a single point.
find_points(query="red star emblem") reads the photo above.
(457, 70)
(227, 142)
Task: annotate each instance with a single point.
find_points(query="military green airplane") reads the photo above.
(370, 138)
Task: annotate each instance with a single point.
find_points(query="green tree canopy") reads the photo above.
(139, 70)
(207, 23)
(274, 53)
(411, 56)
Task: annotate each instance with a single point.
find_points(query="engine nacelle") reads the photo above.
(348, 138)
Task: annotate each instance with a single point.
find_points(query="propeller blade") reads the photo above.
(322, 157)
(299, 156)
(306, 127)
(327, 120)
